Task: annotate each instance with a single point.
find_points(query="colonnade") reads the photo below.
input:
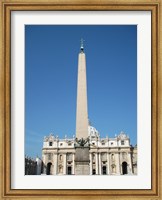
(98, 165)
(112, 166)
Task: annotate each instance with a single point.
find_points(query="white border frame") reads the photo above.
(140, 18)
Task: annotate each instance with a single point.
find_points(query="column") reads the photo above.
(44, 161)
(121, 172)
(44, 169)
(99, 163)
(108, 164)
(117, 163)
(130, 163)
(96, 163)
(64, 164)
(73, 169)
(52, 166)
(55, 164)
(91, 163)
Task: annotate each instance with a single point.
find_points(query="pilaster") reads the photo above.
(65, 164)
(108, 164)
(97, 163)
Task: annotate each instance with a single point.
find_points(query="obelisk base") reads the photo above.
(82, 161)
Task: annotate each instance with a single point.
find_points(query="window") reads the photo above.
(103, 143)
(93, 143)
(122, 142)
(69, 144)
(50, 143)
(112, 143)
(61, 144)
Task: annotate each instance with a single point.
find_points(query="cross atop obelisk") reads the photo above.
(81, 44)
(82, 110)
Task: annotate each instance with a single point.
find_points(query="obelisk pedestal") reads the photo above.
(82, 141)
(82, 161)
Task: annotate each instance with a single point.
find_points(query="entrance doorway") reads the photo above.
(104, 170)
(124, 168)
(94, 172)
(49, 168)
(69, 170)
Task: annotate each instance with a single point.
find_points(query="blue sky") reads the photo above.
(51, 61)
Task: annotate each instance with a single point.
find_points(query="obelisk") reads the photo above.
(82, 110)
(82, 141)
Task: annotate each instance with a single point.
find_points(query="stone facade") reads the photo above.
(107, 156)
(134, 159)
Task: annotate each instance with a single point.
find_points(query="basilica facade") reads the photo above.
(107, 156)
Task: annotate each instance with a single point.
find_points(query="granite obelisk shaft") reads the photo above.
(82, 110)
(82, 141)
